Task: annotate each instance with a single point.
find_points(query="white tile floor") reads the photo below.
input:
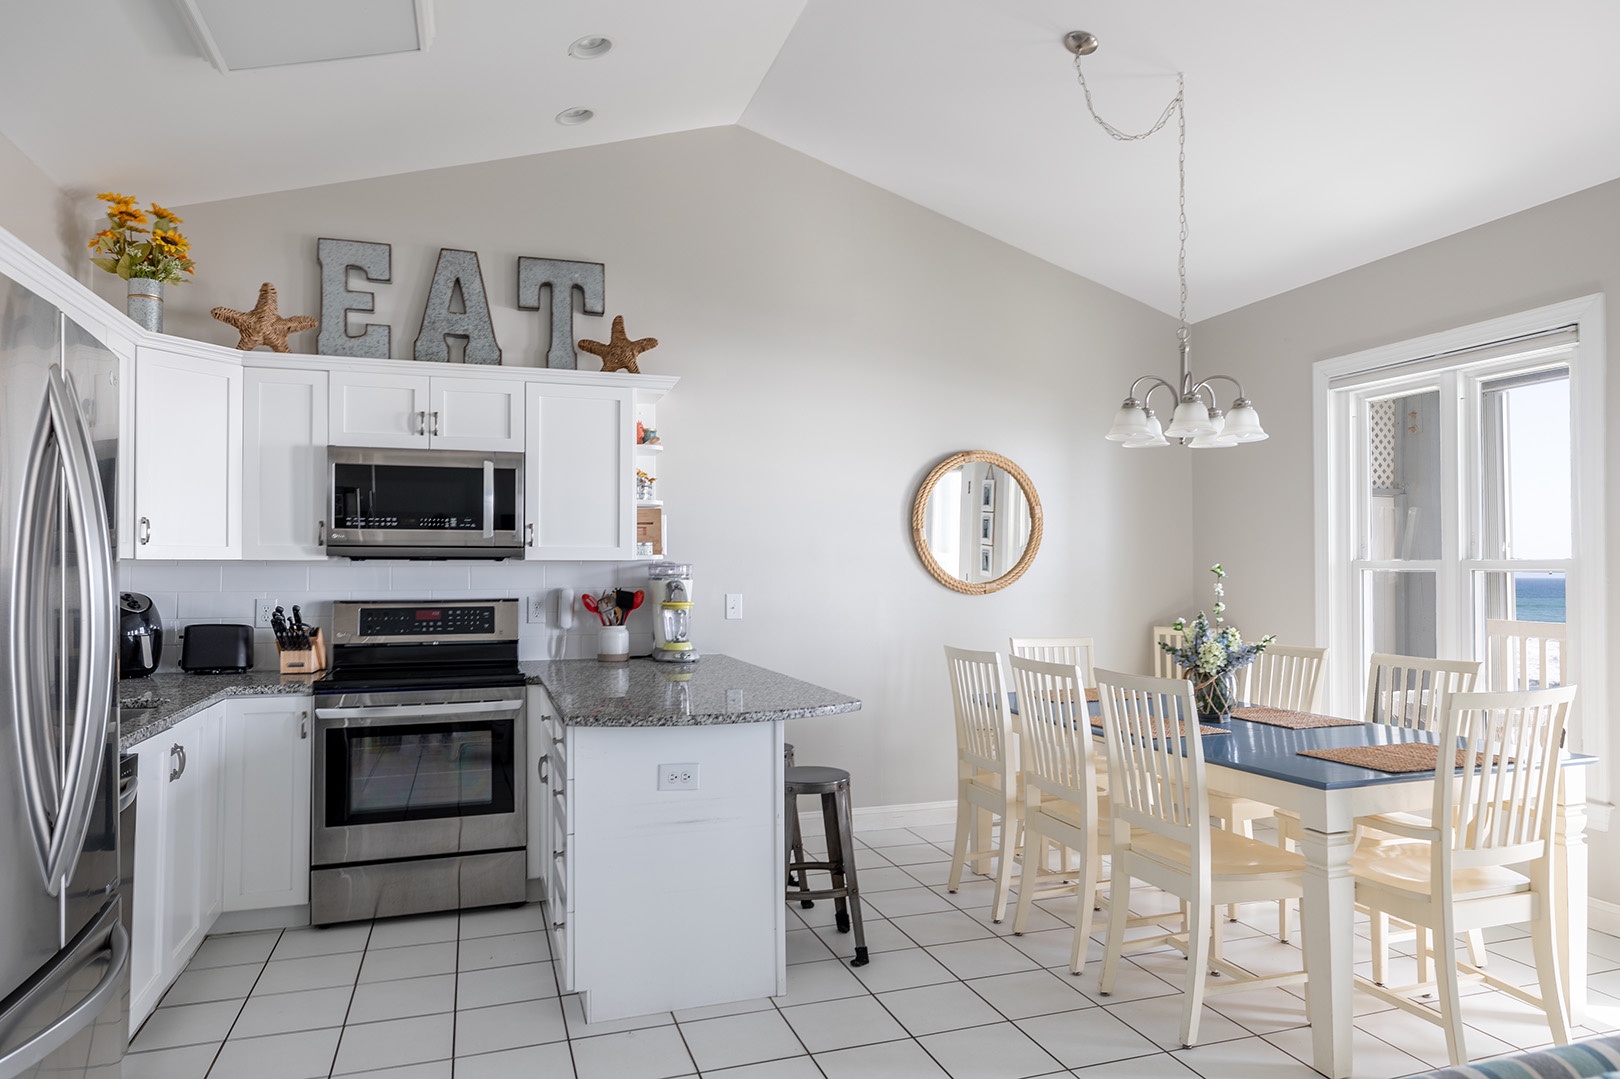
(475, 996)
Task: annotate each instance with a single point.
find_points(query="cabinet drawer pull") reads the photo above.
(421, 423)
(435, 428)
(177, 751)
(558, 925)
(529, 529)
(303, 725)
(559, 853)
(320, 533)
(544, 778)
(146, 530)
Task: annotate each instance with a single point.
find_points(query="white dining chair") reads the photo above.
(1487, 858)
(986, 772)
(1163, 665)
(1060, 800)
(1524, 655)
(1075, 651)
(1161, 834)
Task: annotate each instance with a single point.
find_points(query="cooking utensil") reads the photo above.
(610, 616)
(590, 604)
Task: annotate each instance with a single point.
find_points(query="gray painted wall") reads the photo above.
(833, 342)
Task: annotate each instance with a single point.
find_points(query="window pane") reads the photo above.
(1523, 629)
(1403, 472)
(1524, 423)
(1398, 608)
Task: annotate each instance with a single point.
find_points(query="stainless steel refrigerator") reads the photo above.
(63, 952)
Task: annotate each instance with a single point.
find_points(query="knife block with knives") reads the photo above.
(301, 647)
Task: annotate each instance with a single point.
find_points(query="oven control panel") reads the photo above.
(394, 621)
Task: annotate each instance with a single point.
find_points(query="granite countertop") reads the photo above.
(175, 695)
(642, 693)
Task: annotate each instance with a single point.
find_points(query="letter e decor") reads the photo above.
(337, 258)
(564, 278)
(457, 270)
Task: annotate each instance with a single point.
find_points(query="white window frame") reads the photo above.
(1339, 532)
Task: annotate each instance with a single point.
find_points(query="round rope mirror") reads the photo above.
(976, 522)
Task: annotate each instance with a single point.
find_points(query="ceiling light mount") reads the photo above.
(1196, 423)
(1080, 42)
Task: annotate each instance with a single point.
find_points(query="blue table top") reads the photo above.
(1267, 750)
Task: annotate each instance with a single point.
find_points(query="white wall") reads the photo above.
(833, 343)
(1262, 493)
(39, 213)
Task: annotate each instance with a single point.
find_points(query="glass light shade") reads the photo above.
(1154, 436)
(1216, 439)
(1243, 424)
(1130, 423)
(1190, 420)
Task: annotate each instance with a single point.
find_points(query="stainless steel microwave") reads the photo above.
(424, 503)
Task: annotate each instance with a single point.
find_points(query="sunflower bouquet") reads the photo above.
(129, 249)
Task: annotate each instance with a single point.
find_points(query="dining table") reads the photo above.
(1263, 761)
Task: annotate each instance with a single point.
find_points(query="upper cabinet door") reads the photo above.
(581, 475)
(188, 456)
(385, 411)
(284, 465)
(475, 414)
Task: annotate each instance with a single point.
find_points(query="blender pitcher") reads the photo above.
(671, 586)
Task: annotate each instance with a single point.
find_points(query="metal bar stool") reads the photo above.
(832, 784)
(795, 839)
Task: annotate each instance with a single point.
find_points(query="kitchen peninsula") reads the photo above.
(655, 814)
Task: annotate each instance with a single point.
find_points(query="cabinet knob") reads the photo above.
(146, 530)
(558, 925)
(542, 768)
(558, 853)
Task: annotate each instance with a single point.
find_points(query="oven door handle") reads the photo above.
(421, 711)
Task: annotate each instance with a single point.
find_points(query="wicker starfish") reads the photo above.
(619, 353)
(264, 325)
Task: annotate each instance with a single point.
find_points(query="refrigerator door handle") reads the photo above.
(92, 710)
(106, 931)
(31, 705)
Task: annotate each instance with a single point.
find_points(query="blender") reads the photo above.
(671, 587)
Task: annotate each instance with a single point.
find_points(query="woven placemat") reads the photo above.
(1396, 757)
(1282, 717)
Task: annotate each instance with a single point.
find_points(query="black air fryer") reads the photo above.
(140, 636)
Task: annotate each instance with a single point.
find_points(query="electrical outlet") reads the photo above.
(678, 777)
(535, 609)
(733, 604)
(262, 610)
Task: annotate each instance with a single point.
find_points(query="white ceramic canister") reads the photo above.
(613, 644)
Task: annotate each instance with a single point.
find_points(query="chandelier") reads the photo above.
(1196, 422)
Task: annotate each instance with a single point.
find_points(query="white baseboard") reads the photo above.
(247, 921)
(916, 815)
(1603, 916)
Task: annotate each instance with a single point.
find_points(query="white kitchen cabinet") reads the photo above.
(264, 820)
(188, 456)
(580, 493)
(177, 870)
(420, 412)
(284, 422)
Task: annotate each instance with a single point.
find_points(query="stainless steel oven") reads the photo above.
(424, 503)
(418, 786)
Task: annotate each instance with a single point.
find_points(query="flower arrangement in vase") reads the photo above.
(146, 259)
(1211, 655)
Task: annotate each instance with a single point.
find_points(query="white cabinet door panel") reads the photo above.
(284, 466)
(385, 411)
(476, 414)
(581, 475)
(264, 849)
(188, 456)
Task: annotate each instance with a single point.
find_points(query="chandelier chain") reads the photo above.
(1178, 108)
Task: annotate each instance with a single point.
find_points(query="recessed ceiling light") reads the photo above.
(570, 117)
(589, 48)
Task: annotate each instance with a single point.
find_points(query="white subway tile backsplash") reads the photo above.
(152, 577)
(420, 577)
(199, 606)
(350, 578)
(508, 576)
(264, 577)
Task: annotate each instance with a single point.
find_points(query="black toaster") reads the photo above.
(210, 649)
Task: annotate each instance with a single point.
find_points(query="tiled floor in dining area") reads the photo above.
(947, 993)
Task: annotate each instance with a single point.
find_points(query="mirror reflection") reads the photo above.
(976, 522)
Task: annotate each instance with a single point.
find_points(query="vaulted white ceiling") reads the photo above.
(1320, 136)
